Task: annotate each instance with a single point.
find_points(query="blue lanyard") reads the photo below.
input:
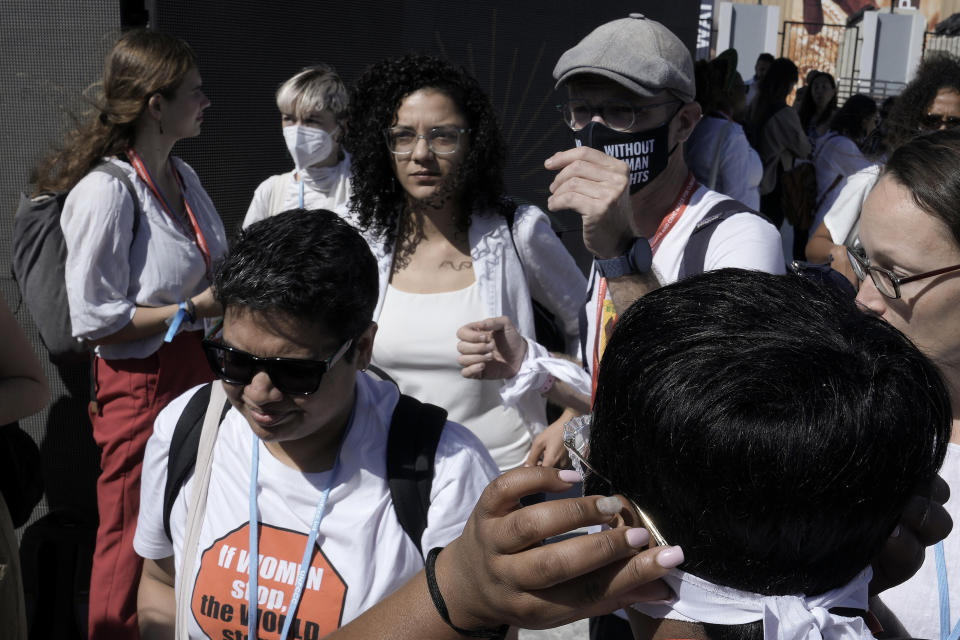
(254, 568)
(300, 181)
(944, 589)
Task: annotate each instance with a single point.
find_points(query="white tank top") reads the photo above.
(416, 344)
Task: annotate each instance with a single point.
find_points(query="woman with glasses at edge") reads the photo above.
(138, 273)
(931, 102)
(909, 268)
(313, 105)
(428, 162)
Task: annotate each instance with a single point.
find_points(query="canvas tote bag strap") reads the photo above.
(197, 505)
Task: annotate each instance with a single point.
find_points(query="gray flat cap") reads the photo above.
(636, 52)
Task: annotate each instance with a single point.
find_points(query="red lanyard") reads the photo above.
(679, 206)
(194, 232)
(677, 210)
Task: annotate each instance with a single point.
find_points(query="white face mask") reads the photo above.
(307, 145)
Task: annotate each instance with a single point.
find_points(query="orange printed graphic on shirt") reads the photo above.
(220, 595)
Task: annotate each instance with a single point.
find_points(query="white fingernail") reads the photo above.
(609, 505)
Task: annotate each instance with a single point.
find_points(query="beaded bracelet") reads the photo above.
(492, 634)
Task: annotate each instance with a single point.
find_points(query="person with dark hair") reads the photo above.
(909, 270)
(930, 102)
(837, 155)
(760, 68)
(777, 134)
(298, 291)
(313, 109)
(141, 236)
(818, 104)
(717, 151)
(457, 259)
(781, 487)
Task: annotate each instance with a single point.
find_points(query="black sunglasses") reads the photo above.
(294, 376)
(934, 121)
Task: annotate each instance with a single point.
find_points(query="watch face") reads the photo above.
(641, 257)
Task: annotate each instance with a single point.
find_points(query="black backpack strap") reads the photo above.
(695, 253)
(120, 174)
(183, 448)
(415, 431)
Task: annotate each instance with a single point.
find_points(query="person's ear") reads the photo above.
(686, 120)
(364, 347)
(155, 106)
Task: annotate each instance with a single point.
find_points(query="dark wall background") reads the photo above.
(50, 53)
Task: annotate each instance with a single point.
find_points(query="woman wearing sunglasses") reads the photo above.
(138, 265)
(428, 163)
(931, 102)
(910, 275)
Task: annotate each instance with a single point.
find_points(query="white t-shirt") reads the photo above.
(364, 553)
(743, 240)
(834, 155)
(110, 272)
(417, 346)
(739, 168)
(844, 214)
(323, 188)
(916, 601)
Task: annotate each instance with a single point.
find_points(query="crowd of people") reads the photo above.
(335, 424)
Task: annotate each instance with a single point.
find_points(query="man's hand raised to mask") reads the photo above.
(596, 186)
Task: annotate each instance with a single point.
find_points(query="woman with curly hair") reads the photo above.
(930, 102)
(452, 250)
(141, 236)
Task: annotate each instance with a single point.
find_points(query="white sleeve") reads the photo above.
(150, 540)
(745, 241)
(260, 205)
(848, 158)
(552, 275)
(462, 470)
(845, 211)
(97, 224)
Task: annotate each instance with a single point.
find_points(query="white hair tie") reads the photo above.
(793, 617)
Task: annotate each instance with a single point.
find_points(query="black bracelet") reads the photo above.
(493, 634)
(191, 309)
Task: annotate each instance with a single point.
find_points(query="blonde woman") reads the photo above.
(313, 105)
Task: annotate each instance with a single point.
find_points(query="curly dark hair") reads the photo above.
(378, 201)
(939, 70)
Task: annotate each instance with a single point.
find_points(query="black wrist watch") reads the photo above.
(637, 259)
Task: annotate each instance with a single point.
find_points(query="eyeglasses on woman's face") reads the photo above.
(576, 438)
(936, 121)
(442, 141)
(887, 282)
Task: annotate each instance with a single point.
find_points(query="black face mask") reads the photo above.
(645, 151)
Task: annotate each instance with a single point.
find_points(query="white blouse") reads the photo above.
(323, 188)
(416, 345)
(109, 272)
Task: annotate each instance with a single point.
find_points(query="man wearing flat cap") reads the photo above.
(630, 106)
